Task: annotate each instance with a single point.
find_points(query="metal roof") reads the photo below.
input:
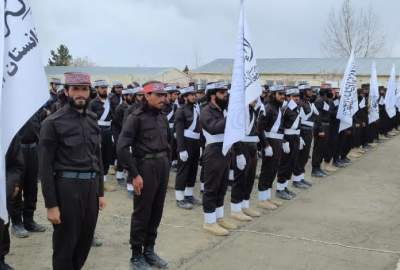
(139, 71)
(305, 66)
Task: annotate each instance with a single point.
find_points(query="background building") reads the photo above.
(288, 71)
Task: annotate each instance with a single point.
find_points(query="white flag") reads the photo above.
(398, 95)
(348, 104)
(235, 127)
(390, 98)
(24, 87)
(373, 114)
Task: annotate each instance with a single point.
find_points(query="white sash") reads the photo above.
(277, 124)
(106, 110)
(361, 105)
(326, 106)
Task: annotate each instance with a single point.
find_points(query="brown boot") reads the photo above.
(111, 170)
(329, 168)
(109, 187)
(215, 229)
(251, 212)
(267, 205)
(225, 224)
(277, 203)
(240, 216)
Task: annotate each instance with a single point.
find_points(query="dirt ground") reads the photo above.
(350, 220)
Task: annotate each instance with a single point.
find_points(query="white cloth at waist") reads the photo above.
(191, 134)
(251, 139)
(292, 132)
(171, 125)
(307, 123)
(273, 135)
(104, 123)
(210, 139)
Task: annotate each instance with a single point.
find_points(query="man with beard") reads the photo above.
(116, 126)
(23, 206)
(216, 165)
(101, 106)
(137, 102)
(146, 132)
(244, 176)
(169, 110)
(14, 172)
(308, 113)
(270, 130)
(71, 172)
(201, 100)
(61, 100)
(187, 129)
(292, 143)
(321, 132)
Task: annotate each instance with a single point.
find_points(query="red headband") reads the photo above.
(153, 87)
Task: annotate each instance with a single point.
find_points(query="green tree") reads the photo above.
(60, 58)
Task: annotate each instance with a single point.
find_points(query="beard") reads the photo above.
(222, 103)
(76, 105)
(102, 95)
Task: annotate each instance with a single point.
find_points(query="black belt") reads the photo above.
(307, 128)
(28, 146)
(155, 155)
(77, 175)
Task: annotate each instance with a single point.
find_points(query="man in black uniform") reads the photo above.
(22, 211)
(169, 110)
(308, 113)
(270, 130)
(321, 132)
(292, 143)
(70, 167)
(54, 84)
(187, 129)
(116, 126)
(146, 132)
(216, 165)
(14, 173)
(101, 106)
(201, 100)
(244, 177)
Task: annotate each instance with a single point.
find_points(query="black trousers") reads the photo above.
(269, 165)
(320, 148)
(216, 175)
(373, 132)
(79, 207)
(24, 204)
(333, 144)
(289, 160)
(187, 171)
(4, 240)
(345, 142)
(384, 122)
(357, 135)
(244, 180)
(107, 148)
(304, 154)
(148, 207)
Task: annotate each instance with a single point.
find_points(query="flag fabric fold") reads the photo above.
(373, 113)
(348, 104)
(390, 98)
(246, 87)
(24, 83)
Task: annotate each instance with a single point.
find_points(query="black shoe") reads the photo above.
(121, 182)
(32, 226)
(153, 259)
(139, 263)
(317, 173)
(346, 161)
(338, 164)
(307, 183)
(291, 193)
(193, 200)
(184, 205)
(282, 194)
(18, 230)
(4, 266)
(300, 185)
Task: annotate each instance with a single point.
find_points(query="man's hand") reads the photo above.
(102, 203)
(137, 185)
(15, 193)
(53, 215)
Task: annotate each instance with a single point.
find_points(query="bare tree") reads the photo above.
(82, 62)
(350, 29)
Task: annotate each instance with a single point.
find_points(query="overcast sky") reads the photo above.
(193, 32)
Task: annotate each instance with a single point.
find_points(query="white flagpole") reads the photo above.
(236, 122)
